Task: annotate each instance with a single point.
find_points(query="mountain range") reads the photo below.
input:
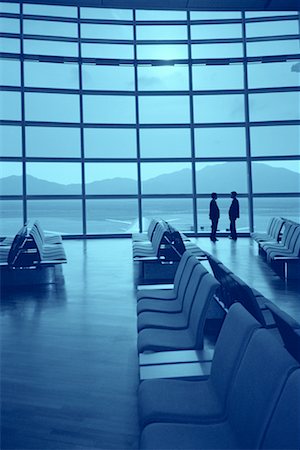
(221, 178)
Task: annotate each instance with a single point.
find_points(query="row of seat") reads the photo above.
(250, 400)
(174, 319)
(32, 247)
(282, 253)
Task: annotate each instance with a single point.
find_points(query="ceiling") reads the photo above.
(206, 5)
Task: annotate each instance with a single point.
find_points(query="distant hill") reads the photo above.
(221, 178)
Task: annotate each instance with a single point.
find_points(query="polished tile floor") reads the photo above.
(69, 372)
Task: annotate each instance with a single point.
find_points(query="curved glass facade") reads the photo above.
(109, 117)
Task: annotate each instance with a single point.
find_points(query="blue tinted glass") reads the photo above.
(11, 216)
(109, 143)
(108, 109)
(276, 176)
(200, 51)
(164, 109)
(51, 75)
(53, 142)
(112, 216)
(162, 51)
(107, 51)
(10, 178)
(106, 31)
(47, 28)
(276, 74)
(273, 48)
(275, 28)
(53, 48)
(10, 72)
(219, 108)
(50, 10)
(216, 31)
(265, 107)
(56, 107)
(218, 142)
(165, 143)
(161, 32)
(272, 140)
(218, 77)
(106, 14)
(166, 178)
(10, 105)
(9, 45)
(221, 177)
(10, 7)
(53, 178)
(110, 178)
(111, 78)
(9, 25)
(160, 15)
(10, 140)
(214, 15)
(166, 78)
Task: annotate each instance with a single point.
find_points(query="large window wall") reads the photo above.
(110, 117)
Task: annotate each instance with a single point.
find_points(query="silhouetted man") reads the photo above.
(214, 214)
(234, 213)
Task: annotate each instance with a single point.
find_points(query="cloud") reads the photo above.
(296, 67)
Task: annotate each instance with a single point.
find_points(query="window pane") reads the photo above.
(106, 31)
(106, 14)
(61, 216)
(269, 13)
(160, 15)
(161, 32)
(53, 178)
(276, 176)
(10, 105)
(9, 25)
(112, 216)
(179, 211)
(51, 75)
(214, 15)
(264, 208)
(164, 109)
(10, 72)
(266, 106)
(162, 51)
(273, 48)
(274, 74)
(107, 51)
(52, 142)
(221, 177)
(11, 217)
(219, 108)
(10, 7)
(274, 28)
(45, 28)
(215, 142)
(114, 78)
(50, 10)
(10, 141)
(166, 78)
(11, 178)
(281, 141)
(218, 77)
(165, 143)
(111, 178)
(204, 224)
(109, 143)
(56, 107)
(108, 109)
(216, 31)
(166, 178)
(53, 48)
(200, 51)
(8, 45)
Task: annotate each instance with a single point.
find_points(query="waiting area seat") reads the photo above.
(265, 387)
(273, 232)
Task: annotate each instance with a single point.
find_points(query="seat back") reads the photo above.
(270, 226)
(283, 430)
(289, 330)
(203, 296)
(286, 233)
(277, 228)
(34, 234)
(262, 373)
(151, 228)
(225, 280)
(180, 270)
(189, 296)
(242, 293)
(16, 246)
(236, 332)
(186, 275)
(294, 244)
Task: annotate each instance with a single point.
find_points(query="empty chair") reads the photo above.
(292, 247)
(289, 330)
(273, 233)
(168, 294)
(262, 382)
(153, 248)
(179, 320)
(152, 339)
(47, 253)
(257, 236)
(140, 237)
(286, 236)
(163, 304)
(204, 400)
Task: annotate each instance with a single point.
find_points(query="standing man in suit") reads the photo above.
(214, 215)
(234, 213)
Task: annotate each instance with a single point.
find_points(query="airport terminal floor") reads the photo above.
(69, 353)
